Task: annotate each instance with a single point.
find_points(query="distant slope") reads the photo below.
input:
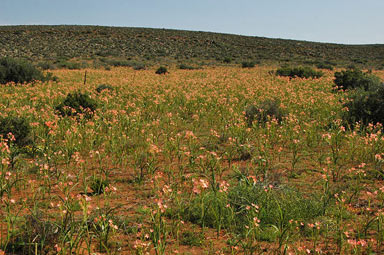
(53, 42)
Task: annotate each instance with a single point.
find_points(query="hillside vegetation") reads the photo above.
(58, 43)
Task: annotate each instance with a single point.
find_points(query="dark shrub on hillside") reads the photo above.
(102, 87)
(365, 106)
(46, 65)
(263, 112)
(117, 62)
(248, 64)
(108, 63)
(18, 71)
(351, 79)
(161, 70)
(186, 67)
(227, 60)
(19, 127)
(324, 66)
(77, 103)
(138, 66)
(300, 72)
(71, 65)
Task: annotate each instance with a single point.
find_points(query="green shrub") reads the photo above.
(264, 111)
(77, 103)
(365, 107)
(300, 72)
(354, 78)
(272, 206)
(248, 64)
(19, 71)
(276, 206)
(102, 87)
(19, 127)
(161, 70)
(203, 210)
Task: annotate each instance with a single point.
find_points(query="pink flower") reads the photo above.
(204, 183)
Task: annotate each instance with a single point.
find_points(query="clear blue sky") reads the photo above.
(340, 21)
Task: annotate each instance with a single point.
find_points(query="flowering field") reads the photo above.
(170, 164)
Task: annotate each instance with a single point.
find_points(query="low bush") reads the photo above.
(202, 210)
(300, 72)
(19, 71)
(186, 67)
(72, 65)
(227, 60)
(325, 66)
(19, 127)
(248, 64)
(365, 106)
(138, 66)
(354, 78)
(238, 207)
(162, 70)
(116, 62)
(102, 87)
(276, 206)
(264, 111)
(192, 238)
(46, 65)
(77, 103)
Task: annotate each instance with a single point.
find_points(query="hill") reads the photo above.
(55, 43)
